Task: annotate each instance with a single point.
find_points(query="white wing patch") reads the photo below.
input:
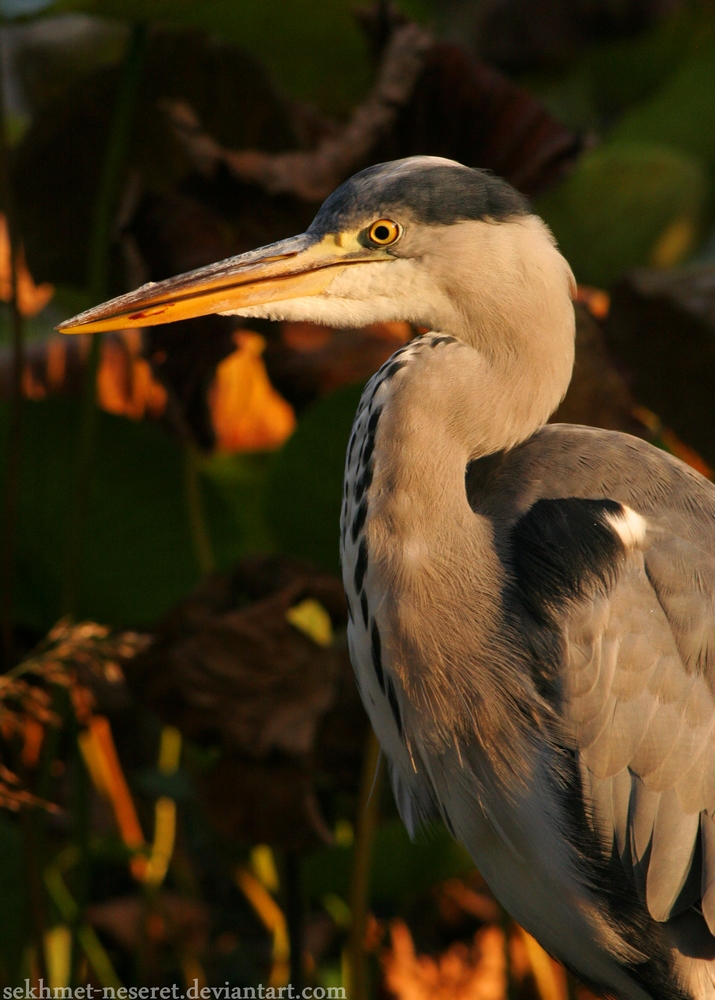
(629, 526)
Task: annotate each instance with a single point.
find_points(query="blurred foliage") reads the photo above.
(306, 481)
(645, 194)
(614, 77)
(141, 557)
(14, 912)
(334, 75)
(402, 870)
(641, 194)
(677, 113)
(621, 200)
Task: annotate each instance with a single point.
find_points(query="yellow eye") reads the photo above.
(383, 232)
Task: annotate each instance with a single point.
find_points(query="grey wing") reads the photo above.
(639, 704)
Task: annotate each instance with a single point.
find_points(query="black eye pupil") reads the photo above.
(381, 233)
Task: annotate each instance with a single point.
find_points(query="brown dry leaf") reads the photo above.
(125, 383)
(237, 668)
(478, 972)
(661, 330)
(247, 413)
(598, 394)
(174, 918)
(31, 298)
(226, 667)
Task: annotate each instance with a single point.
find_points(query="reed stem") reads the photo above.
(98, 270)
(367, 818)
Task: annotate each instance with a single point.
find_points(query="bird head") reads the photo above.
(423, 239)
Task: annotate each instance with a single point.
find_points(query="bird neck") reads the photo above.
(433, 558)
(446, 405)
(450, 403)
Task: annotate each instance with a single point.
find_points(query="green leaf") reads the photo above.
(615, 75)
(401, 869)
(621, 200)
(305, 484)
(682, 113)
(138, 557)
(234, 501)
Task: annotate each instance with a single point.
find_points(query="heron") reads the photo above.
(531, 605)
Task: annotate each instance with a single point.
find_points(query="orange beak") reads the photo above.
(299, 267)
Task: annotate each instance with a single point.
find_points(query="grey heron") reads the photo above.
(532, 621)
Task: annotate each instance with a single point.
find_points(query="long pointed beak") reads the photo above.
(301, 266)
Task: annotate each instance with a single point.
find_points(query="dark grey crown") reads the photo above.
(427, 188)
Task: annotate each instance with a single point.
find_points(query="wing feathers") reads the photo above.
(621, 785)
(707, 833)
(690, 787)
(638, 689)
(644, 806)
(709, 781)
(589, 705)
(649, 745)
(672, 848)
(620, 738)
(603, 809)
(657, 743)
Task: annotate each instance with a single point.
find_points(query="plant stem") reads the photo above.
(14, 444)
(294, 918)
(80, 837)
(195, 507)
(100, 245)
(12, 472)
(36, 895)
(367, 817)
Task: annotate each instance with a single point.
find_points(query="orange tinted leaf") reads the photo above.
(247, 412)
(31, 298)
(460, 973)
(100, 754)
(125, 383)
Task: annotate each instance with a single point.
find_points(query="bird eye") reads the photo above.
(383, 232)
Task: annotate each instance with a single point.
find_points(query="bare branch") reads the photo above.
(313, 174)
